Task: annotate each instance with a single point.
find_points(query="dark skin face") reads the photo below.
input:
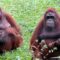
(3, 25)
(49, 29)
(50, 21)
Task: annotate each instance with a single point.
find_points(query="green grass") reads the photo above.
(27, 14)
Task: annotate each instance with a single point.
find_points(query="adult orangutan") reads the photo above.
(10, 36)
(45, 42)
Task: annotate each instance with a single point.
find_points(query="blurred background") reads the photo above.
(27, 14)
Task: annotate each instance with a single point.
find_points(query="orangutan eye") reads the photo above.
(49, 17)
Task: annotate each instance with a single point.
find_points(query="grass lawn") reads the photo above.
(27, 14)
